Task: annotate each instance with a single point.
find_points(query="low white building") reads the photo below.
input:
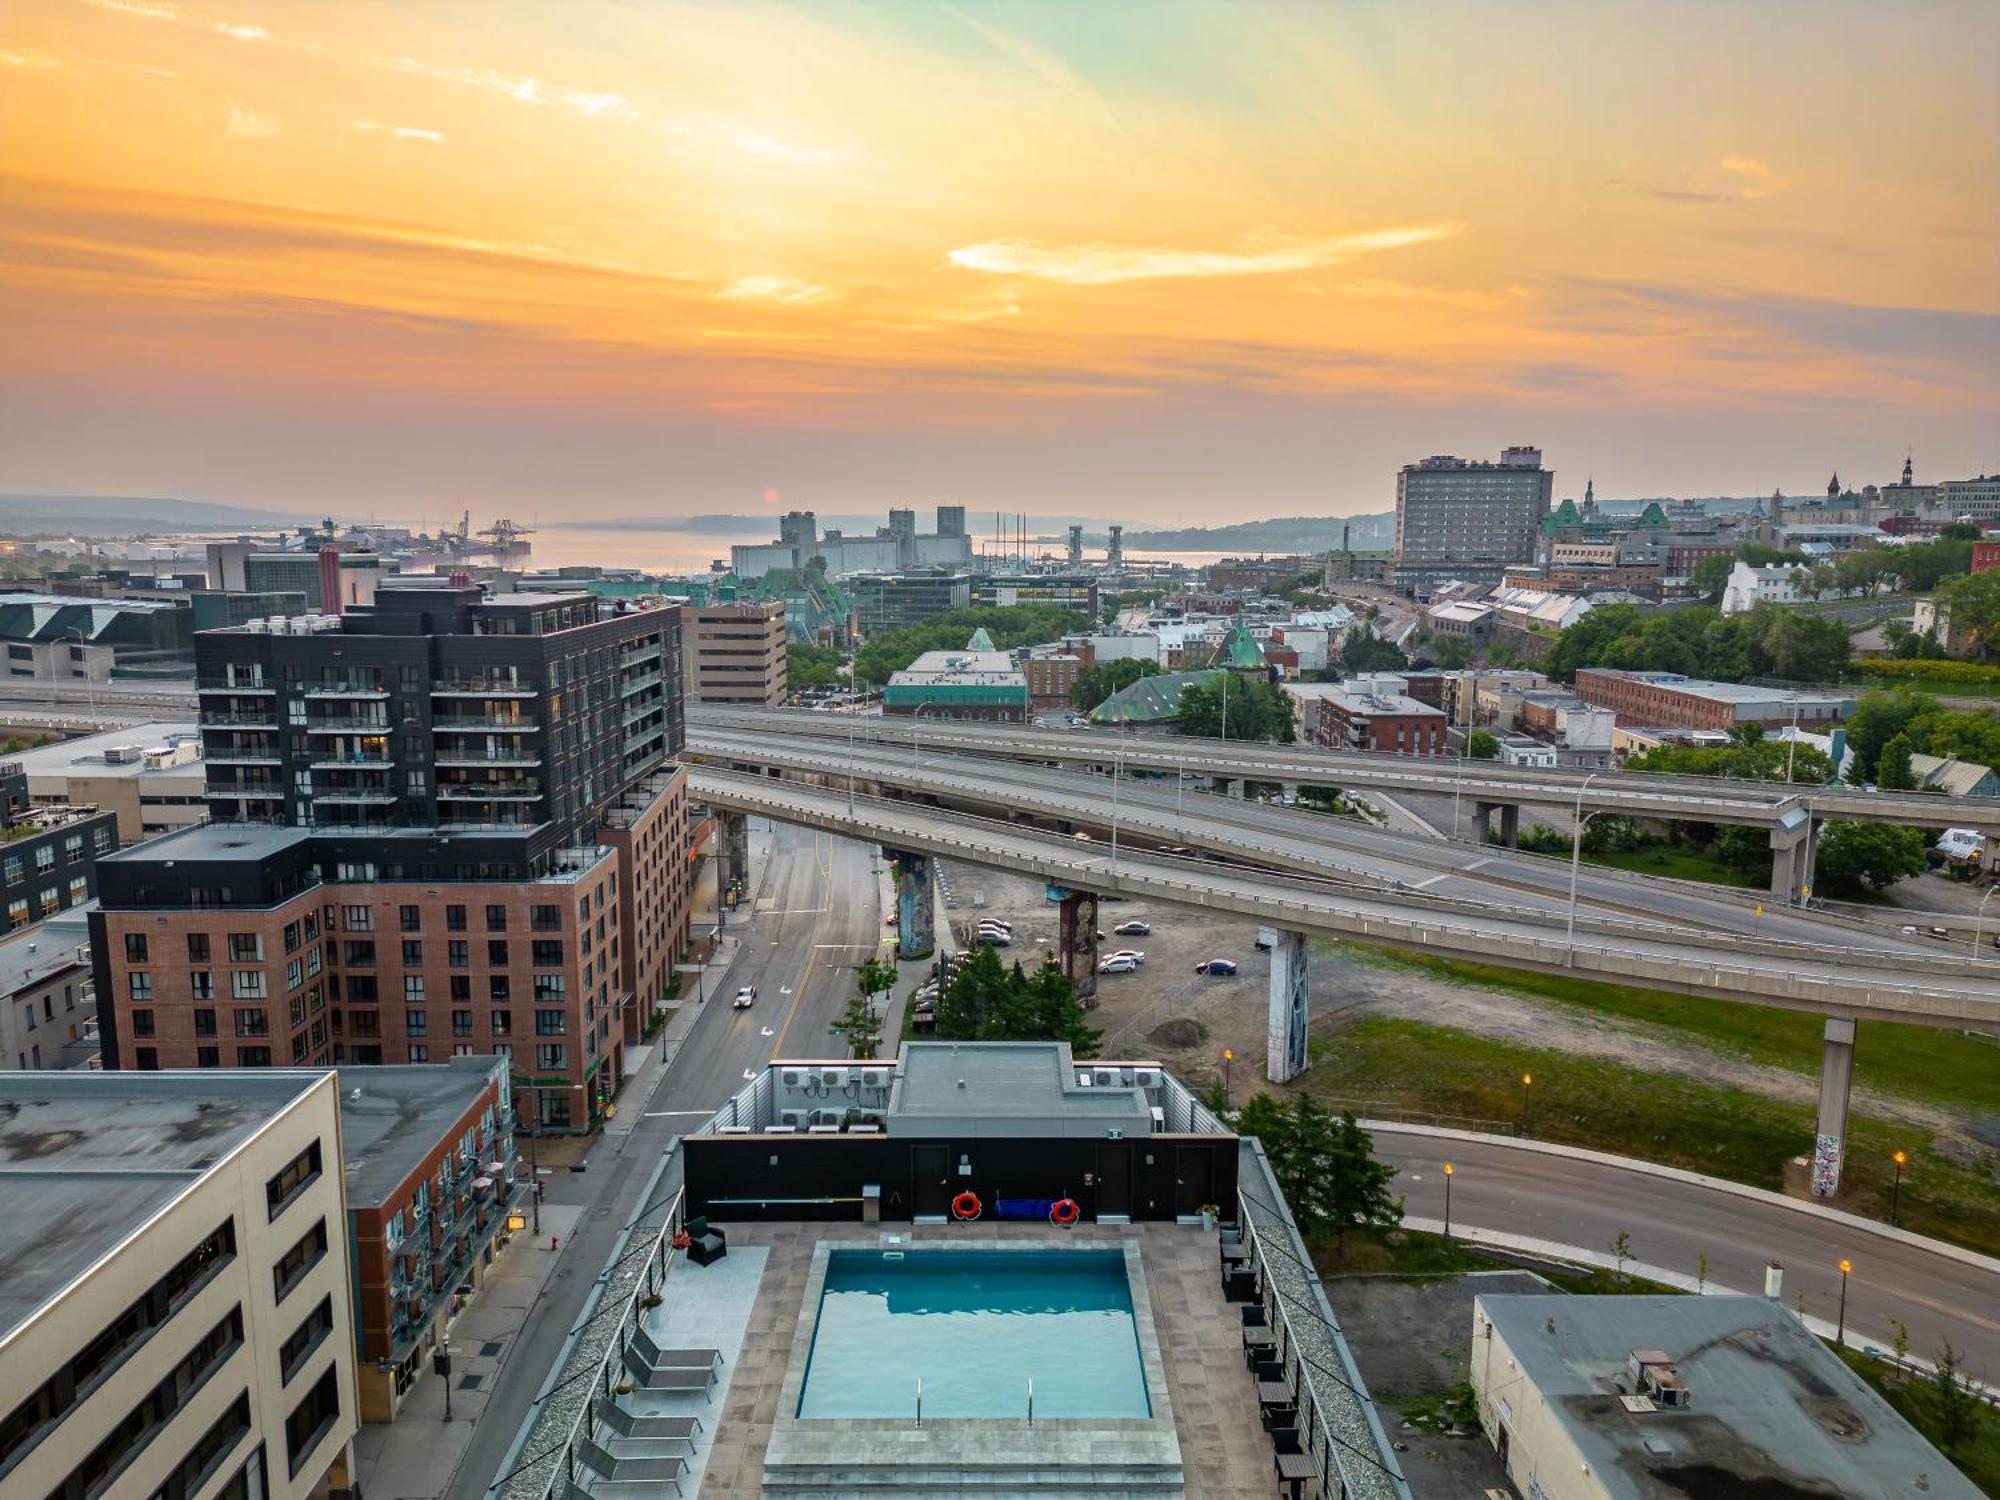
(1519, 750)
(1527, 609)
(1750, 586)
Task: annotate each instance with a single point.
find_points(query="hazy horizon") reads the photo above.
(1168, 266)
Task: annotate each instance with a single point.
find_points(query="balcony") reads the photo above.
(350, 762)
(347, 724)
(496, 758)
(496, 791)
(242, 756)
(642, 681)
(355, 796)
(480, 724)
(223, 685)
(273, 791)
(339, 690)
(489, 823)
(472, 688)
(639, 711)
(256, 718)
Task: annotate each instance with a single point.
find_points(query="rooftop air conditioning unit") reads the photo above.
(822, 1130)
(732, 1130)
(1149, 1078)
(875, 1078)
(833, 1078)
(1106, 1078)
(793, 1078)
(122, 755)
(791, 1119)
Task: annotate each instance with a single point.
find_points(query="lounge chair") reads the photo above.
(654, 1355)
(651, 1377)
(641, 1429)
(613, 1468)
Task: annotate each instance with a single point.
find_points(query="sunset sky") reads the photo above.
(1171, 262)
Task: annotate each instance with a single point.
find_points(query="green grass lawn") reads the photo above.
(1581, 1101)
(1676, 863)
(1921, 1063)
(1916, 1400)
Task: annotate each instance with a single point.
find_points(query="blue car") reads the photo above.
(1217, 968)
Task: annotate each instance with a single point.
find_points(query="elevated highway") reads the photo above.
(1152, 812)
(1702, 799)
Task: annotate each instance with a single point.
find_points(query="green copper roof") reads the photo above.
(1652, 518)
(1150, 700)
(1240, 650)
(981, 641)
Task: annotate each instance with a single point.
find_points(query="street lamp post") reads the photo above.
(1447, 1202)
(1229, 1056)
(1117, 775)
(850, 764)
(1575, 865)
(1527, 1120)
(1896, 1191)
(1840, 1326)
(1458, 786)
(1979, 921)
(89, 687)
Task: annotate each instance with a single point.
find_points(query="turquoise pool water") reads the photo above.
(976, 1325)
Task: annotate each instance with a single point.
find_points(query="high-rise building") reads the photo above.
(176, 1317)
(1467, 519)
(733, 651)
(446, 824)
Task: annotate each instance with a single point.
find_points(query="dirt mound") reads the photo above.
(1182, 1031)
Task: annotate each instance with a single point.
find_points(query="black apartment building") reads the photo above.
(446, 823)
(48, 855)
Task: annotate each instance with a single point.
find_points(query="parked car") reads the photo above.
(1217, 968)
(745, 997)
(1117, 964)
(1137, 956)
(1134, 928)
(993, 939)
(1080, 836)
(996, 922)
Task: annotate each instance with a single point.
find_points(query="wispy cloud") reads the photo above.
(243, 33)
(1744, 180)
(402, 132)
(40, 62)
(1097, 264)
(781, 289)
(245, 121)
(151, 10)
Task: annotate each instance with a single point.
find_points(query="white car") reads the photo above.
(1133, 928)
(996, 924)
(1117, 964)
(995, 939)
(1135, 955)
(745, 997)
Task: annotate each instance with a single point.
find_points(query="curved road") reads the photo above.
(1586, 1201)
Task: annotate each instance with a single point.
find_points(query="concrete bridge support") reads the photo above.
(732, 848)
(1791, 857)
(1836, 1079)
(1077, 940)
(1510, 823)
(1287, 1036)
(916, 903)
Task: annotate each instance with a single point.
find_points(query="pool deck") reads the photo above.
(1224, 1454)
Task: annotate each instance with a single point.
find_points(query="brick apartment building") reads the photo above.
(1371, 719)
(451, 825)
(734, 652)
(1669, 700)
(1050, 679)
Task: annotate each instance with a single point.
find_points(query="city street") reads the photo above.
(811, 914)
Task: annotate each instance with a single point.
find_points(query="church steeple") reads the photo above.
(1833, 488)
(1908, 475)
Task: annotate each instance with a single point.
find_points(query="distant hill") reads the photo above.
(122, 515)
(1370, 533)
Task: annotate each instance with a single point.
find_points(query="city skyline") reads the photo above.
(1179, 267)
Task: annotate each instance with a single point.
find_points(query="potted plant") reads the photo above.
(1209, 1214)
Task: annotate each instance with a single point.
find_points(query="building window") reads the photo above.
(545, 919)
(411, 918)
(416, 1023)
(291, 937)
(358, 918)
(300, 1173)
(208, 1057)
(502, 1022)
(420, 1052)
(359, 953)
(135, 947)
(552, 1057)
(549, 986)
(253, 1057)
(146, 1059)
(461, 986)
(312, 1419)
(295, 974)
(499, 987)
(142, 1023)
(413, 987)
(496, 919)
(201, 984)
(413, 952)
(454, 919)
(548, 953)
(458, 953)
(461, 1023)
(496, 954)
(140, 985)
(292, 1267)
(247, 984)
(253, 1023)
(199, 1466)
(246, 947)
(551, 1023)
(308, 1336)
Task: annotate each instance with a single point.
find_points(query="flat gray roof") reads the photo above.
(84, 756)
(87, 1157)
(32, 954)
(391, 1117)
(213, 841)
(1002, 1082)
(1770, 1408)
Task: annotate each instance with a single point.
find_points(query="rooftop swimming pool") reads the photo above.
(975, 1327)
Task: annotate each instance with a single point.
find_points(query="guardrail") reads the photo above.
(1860, 981)
(596, 1354)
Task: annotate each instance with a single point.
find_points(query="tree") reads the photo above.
(1258, 710)
(1960, 531)
(1892, 768)
(1009, 625)
(1451, 652)
(1955, 1405)
(859, 1024)
(1762, 760)
(809, 666)
(1482, 744)
(988, 1002)
(1972, 603)
(1711, 576)
(1855, 858)
(1095, 684)
(1877, 719)
(1360, 1191)
(1324, 1165)
(1364, 651)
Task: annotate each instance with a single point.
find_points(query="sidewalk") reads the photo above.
(414, 1457)
(417, 1456)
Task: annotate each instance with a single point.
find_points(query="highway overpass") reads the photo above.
(1704, 799)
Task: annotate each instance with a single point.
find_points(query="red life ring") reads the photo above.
(1064, 1212)
(965, 1206)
